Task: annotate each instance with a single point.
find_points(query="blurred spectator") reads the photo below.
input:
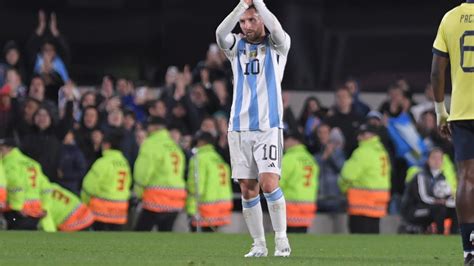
(403, 83)
(222, 93)
(330, 160)
(393, 106)
(360, 107)
(170, 81)
(204, 100)
(14, 80)
(426, 105)
(126, 91)
(8, 111)
(88, 98)
(129, 143)
(62, 100)
(106, 91)
(140, 136)
(72, 165)
(217, 66)
(345, 118)
(158, 108)
(83, 134)
(311, 114)
(428, 198)
(112, 104)
(49, 53)
(97, 137)
(222, 141)
(205, 79)
(115, 123)
(43, 144)
(289, 119)
(24, 125)
(37, 91)
(429, 132)
(12, 59)
(209, 125)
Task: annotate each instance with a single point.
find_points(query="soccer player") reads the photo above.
(454, 46)
(255, 126)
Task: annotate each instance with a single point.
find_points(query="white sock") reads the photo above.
(277, 209)
(252, 211)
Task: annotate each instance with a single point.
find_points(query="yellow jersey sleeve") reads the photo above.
(440, 46)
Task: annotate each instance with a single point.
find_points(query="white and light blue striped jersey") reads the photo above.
(258, 71)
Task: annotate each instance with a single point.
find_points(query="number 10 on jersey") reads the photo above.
(252, 67)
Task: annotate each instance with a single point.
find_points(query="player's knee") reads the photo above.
(268, 182)
(249, 189)
(249, 193)
(269, 186)
(466, 172)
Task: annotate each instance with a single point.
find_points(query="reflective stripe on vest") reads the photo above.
(300, 213)
(368, 202)
(33, 208)
(164, 199)
(214, 213)
(3, 198)
(109, 211)
(79, 219)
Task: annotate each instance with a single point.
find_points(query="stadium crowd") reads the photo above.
(70, 139)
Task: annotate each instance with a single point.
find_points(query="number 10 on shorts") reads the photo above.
(270, 152)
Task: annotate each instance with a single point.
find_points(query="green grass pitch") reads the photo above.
(94, 248)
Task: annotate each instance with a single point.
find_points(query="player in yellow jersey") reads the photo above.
(454, 46)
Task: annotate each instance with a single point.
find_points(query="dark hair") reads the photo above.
(114, 138)
(11, 44)
(205, 137)
(129, 112)
(31, 99)
(88, 93)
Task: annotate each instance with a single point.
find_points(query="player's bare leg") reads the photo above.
(465, 206)
(252, 211)
(269, 183)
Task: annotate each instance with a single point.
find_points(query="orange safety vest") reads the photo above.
(164, 199)
(300, 214)
(109, 211)
(215, 213)
(3, 199)
(368, 202)
(33, 208)
(79, 219)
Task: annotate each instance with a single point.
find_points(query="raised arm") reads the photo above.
(224, 36)
(278, 35)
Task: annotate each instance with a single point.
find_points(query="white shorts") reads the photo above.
(255, 152)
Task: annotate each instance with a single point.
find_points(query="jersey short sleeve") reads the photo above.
(440, 46)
